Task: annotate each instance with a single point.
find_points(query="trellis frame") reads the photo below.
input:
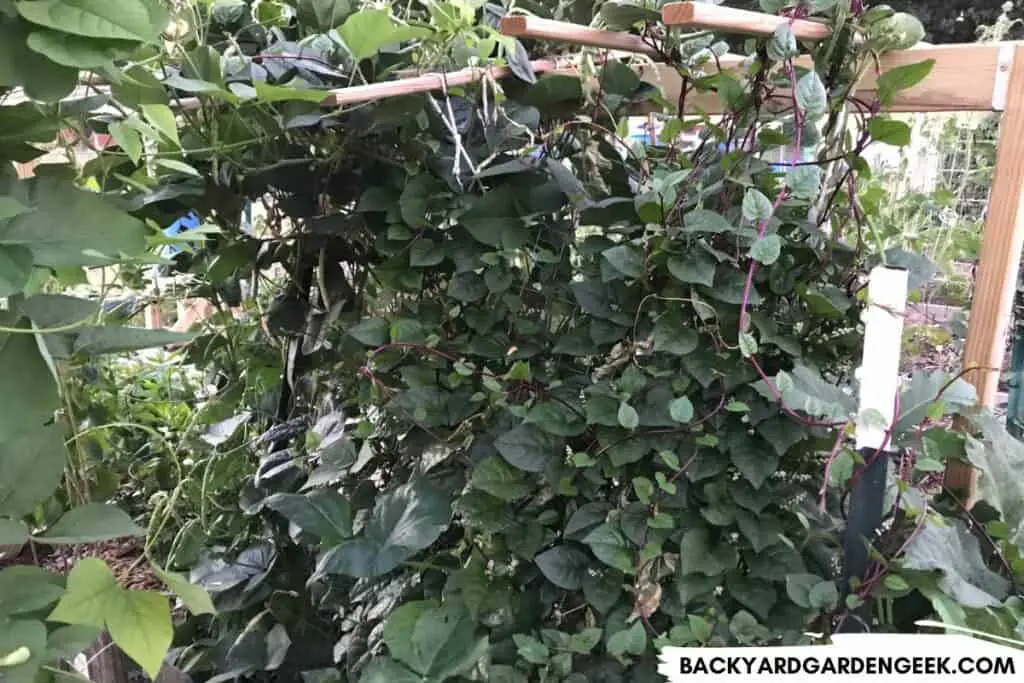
(965, 77)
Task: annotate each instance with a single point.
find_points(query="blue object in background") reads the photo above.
(189, 221)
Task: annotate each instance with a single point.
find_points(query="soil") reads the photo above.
(124, 557)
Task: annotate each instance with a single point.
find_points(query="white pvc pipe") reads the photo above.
(883, 340)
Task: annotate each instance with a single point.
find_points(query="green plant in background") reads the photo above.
(51, 227)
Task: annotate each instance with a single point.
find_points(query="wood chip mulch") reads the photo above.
(124, 557)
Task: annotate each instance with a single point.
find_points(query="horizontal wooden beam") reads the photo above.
(522, 26)
(963, 79)
(730, 20)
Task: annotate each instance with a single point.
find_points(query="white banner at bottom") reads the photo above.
(851, 658)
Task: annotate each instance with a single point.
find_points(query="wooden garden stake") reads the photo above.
(879, 377)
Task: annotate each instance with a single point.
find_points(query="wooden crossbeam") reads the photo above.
(730, 20)
(963, 79)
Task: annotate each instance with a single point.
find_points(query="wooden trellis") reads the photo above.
(966, 77)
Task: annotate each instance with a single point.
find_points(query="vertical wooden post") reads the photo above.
(153, 319)
(996, 279)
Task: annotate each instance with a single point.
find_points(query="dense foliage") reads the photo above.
(525, 402)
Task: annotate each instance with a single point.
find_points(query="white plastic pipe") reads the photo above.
(883, 341)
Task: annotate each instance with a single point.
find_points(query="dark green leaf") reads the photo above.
(371, 332)
(673, 335)
(77, 51)
(404, 522)
(494, 220)
(71, 227)
(747, 629)
(424, 253)
(368, 30)
(767, 249)
(485, 512)
(553, 89)
(531, 649)
(25, 589)
(444, 642)
(626, 259)
(631, 641)
(556, 417)
(759, 596)
(628, 417)
(799, 586)
(134, 20)
(323, 15)
(603, 588)
(698, 557)
(564, 566)
(751, 457)
(704, 221)
(824, 596)
(901, 78)
(697, 268)
(681, 409)
(323, 512)
(90, 523)
(384, 670)
(756, 207)
(13, 533)
(95, 341)
(31, 466)
(890, 132)
(811, 95)
(804, 181)
(399, 629)
(585, 641)
(529, 448)
(15, 268)
(28, 640)
(496, 477)
(608, 545)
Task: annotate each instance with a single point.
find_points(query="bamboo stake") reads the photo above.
(417, 84)
(435, 81)
(522, 26)
(730, 20)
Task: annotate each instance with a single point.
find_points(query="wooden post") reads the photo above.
(153, 319)
(996, 278)
(107, 664)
